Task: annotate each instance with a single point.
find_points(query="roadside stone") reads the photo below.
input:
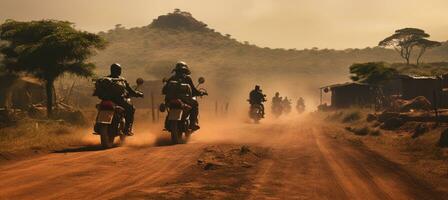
(392, 123)
(383, 117)
(420, 129)
(371, 117)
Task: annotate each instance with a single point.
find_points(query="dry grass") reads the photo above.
(41, 136)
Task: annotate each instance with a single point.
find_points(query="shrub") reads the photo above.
(352, 116)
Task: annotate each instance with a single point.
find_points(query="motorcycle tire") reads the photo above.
(107, 140)
(176, 135)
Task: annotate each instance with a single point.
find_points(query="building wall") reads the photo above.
(412, 88)
(351, 95)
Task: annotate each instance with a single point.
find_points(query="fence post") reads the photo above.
(152, 108)
(435, 107)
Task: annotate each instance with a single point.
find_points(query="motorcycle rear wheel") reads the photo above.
(176, 135)
(107, 140)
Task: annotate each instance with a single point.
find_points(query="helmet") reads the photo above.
(277, 94)
(182, 68)
(115, 69)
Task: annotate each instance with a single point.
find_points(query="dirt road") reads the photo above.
(299, 161)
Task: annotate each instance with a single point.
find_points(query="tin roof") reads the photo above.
(345, 84)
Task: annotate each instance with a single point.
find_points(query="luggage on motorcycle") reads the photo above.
(177, 90)
(106, 88)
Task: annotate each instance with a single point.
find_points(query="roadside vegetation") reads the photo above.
(39, 136)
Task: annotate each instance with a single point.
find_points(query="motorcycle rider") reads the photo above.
(277, 99)
(300, 104)
(115, 72)
(277, 104)
(256, 97)
(286, 104)
(182, 75)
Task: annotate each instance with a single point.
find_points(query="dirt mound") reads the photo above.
(215, 157)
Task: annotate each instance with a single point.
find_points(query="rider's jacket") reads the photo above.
(256, 97)
(276, 100)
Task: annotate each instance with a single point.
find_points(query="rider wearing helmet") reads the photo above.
(182, 75)
(277, 99)
(256, 97)
(115, 72)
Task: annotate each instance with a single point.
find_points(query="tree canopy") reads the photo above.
(371, 72)
(424, 44)
(404, 40)
(47, 49)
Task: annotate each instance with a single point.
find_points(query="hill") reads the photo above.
(230, 65)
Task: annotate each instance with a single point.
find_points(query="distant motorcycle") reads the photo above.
(177, 122)
(300, 108)
(110, 120)
(277, 110)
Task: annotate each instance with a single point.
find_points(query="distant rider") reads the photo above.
(300, 104)
(277, 99)
(182, 75)
(286, 104)
(256, 97)
(120, 100)
(277, 104)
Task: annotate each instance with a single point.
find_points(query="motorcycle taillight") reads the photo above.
(107, 105)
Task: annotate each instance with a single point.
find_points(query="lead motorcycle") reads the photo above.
(256, 112)
(110, 120)
(177, 122)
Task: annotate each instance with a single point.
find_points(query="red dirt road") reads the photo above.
(302, 162)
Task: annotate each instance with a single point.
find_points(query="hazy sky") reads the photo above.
(275, 23)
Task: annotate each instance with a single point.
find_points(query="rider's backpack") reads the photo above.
(106, 88)
(177, 90)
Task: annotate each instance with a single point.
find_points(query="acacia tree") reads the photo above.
(404, 40)
(423, 44)
(47, 49)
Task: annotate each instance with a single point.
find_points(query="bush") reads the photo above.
(364, 130)
(352, 116)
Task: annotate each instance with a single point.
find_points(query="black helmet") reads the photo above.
(182, 68)
(115, 69)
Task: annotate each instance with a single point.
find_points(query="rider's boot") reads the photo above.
(194, 118)
(128, 130)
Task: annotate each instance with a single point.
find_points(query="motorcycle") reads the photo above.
(177, 122)
(277, 109)
(110, 120)
(300, 108)
(256, 112)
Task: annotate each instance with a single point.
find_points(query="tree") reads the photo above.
(371, 72)
(47, 49)
(404, 40)
(423, 44)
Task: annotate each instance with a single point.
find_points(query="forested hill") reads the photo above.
(151, 51)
